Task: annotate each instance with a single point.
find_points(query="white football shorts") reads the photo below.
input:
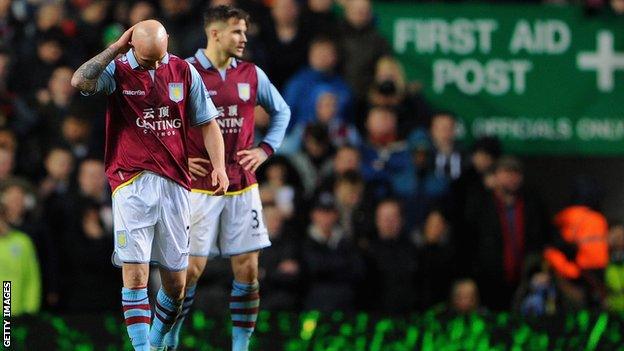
(151, 217)
(229, 225)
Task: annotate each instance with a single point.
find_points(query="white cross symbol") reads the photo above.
(605, 61)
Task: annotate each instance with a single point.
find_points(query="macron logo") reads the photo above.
(133, 92)
(212, 92)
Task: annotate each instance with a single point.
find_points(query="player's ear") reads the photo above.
(214, 33)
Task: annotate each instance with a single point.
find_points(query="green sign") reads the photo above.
(545, 79)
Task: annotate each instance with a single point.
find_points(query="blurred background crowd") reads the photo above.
(371, 203)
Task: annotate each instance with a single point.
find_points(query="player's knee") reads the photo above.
(195, 269)
(192, 275)
(135, 278)
(173, 284)
(175, 290)
(246, 271)
(136, 281)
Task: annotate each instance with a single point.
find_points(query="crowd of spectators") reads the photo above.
(371, 203)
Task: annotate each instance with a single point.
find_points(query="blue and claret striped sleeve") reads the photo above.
(275, 105)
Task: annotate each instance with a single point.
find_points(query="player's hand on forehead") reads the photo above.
(123, 44)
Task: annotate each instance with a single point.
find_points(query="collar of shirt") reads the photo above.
(134, 64)
(200, 55)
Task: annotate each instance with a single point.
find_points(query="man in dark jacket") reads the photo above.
(392, 261)
(333, 265)
(507, 225)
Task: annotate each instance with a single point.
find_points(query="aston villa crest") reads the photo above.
(244, 91)
(122, 239)
(176, 92)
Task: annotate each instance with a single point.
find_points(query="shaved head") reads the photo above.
(149, 39)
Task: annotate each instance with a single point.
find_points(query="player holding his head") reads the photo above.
(154, 99)
(231, 225)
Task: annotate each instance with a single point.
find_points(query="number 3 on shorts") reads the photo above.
(254, 216)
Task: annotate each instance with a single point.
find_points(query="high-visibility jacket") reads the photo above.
(587, 230)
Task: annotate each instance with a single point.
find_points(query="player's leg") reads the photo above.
(135, 304)
(170, 250)
(205, 211)
(194, 271)
(168, 305)
(134, 233)
(243, 235)
(245, 299)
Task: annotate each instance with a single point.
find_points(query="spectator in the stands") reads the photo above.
(346, 159)
(353, 205)
(340, 132)
(21, 212)
(392, 262)
(580, 252)
(285, 41)
(279, 268)
(465, 297)
(59, 164)
(386, 160)
(472, 185)
(390, 88)
(14, 111)
(363, 45)
(90, 26)
(53, 104)
(334, 267)
(438, 161)
(315, 155)
(183, 23)
(320, 17)
(141, 11)
(277, 186)
(87, 228)
(436, 246)
(19, 265)
(504, 228)
(75, 134)
(321, 73)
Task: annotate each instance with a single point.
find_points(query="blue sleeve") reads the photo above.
(106, 81)
(202, 109)
(269, 98)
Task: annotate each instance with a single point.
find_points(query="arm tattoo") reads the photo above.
(86, 76)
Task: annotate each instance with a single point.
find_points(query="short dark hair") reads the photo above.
(350, 177)
(223, 13)
(324, 39)
(508, 163)
(318, 132)
(491, 145)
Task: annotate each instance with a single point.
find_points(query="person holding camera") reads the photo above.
(391, 89)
